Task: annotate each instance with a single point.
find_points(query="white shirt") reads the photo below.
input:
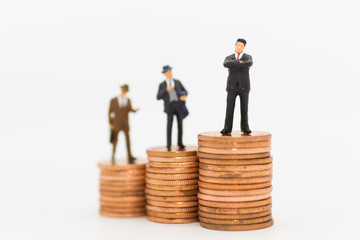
(168, 82)
(241, 54)
(122, 101)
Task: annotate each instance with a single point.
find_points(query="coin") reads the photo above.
(171, 188)
(173, 204)
(232, 151)
(171, 215)
(225, 168)
(236, 136)
(122, 187)
(171, 183)
(175, 152)
(109, 166)
(235, 193)
(172, 170)
(122, 210)
(235, 205)
(123, 205)
(171, 193)
(121, 178)
(122, 215)
(123, 199)
(210, 144)
(235, 180)
(233, 199)
(173, 159)
(235, 211)
(235, 221)
(172, 199)
(121, 194)
(172, 220)
(235, 174)
(123, 174)
(237, 227)
(173, 176)
(234, 216)
(174, 165)
(233, 156)
(171, 209)
(216, 186)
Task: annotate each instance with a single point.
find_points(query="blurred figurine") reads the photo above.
(120, 107)
(174, 94)
(238, 84)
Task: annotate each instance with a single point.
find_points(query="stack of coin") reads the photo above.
(122, 190)
(235, 174)
(172, 185)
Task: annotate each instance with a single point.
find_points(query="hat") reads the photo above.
(166, 68)
(125, 87)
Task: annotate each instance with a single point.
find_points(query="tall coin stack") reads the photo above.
(235, 181)
(172, 185)
(122, 190)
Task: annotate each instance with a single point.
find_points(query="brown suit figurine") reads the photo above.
(119, 121)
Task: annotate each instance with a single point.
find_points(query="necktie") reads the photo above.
(238, 56)
(170, 83)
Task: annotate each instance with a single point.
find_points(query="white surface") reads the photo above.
(62, 61)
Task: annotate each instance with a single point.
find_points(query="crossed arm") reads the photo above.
(229, 63)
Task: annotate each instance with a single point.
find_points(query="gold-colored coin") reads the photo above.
(163, 176)
(234, 216)
(172, 199)
(173, 159)
(172, 220)
(235, 211)
(171, 183)
(235, 180)
(175, 152)
(234, 187)
(243, 157)
(122, 205)
(237, 227)
(123, 174)
(171, 193)
(235, 205)
(171, 187)
(241, 168)
(180, 204)
(121, 178)
(171, 215)
(108, 166)
(235, 221)
(121, 186)
(237, 193)
(235, 174)
(122, 215)
(232, 151)
(123, 199)
(122, 210)
(172, 170)
(171, 209)
(174, 165)
(233, 199)
(209, 144)
(236, 136)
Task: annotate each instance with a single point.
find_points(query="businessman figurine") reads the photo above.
(238, 84)
(120, 107)
(174, 94)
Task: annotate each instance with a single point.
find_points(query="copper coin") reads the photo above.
(171, 183)
(122, 193)
(172, 188)
(123, 174)
(123, 199)
(109, 166)
(236, 136)
(171, 215)
(117, 189)
(233, 199)
(121, 186)
(122, 210)
(174, 165)
(235, 221)
(232, 151)
(123, 183)
(114, 195)
(124, 178)
(235, 193)
(235, 180)
(235, 174)
(171, 193)
(172, 176)
(175, 152)
(172, 170)
(171, 199)
(235, 205)
(237, 227)
(235, 211)
(224, 168)
(123, 205)
(235, 216)
(122, 215)
(180, 204)
(172, 220)
(171, 209)
(233, 156)
(173, 159)
(216, 186)
(242, 145)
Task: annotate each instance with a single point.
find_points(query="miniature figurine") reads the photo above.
(120, 107)
(238, 84)
(174, 94)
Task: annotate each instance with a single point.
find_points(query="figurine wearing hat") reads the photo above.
(238, 84)
(174, 94)
(120, 107)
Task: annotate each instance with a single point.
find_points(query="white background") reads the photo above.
(62, 61)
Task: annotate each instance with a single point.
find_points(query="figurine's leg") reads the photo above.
(244, 100)
(127, 138)
(231, 97)
(169, 128)
(114, 145)
(179, 119)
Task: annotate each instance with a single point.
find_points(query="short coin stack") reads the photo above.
(172, 185)
(122, 190)
(235, 181)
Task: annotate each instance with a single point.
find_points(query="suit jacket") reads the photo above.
(238, 72)
(119, 117)
(163, 94)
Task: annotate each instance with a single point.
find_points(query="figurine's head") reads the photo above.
(240, 45)
(167, 71)
(124, 89)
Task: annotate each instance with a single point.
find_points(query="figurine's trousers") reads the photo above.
(244, 100)
(174, 109)
(127, 138)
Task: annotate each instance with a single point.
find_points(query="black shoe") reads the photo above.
(181, 147)
(131, 160)
(168, 148)
(226, 132)
(246, 131)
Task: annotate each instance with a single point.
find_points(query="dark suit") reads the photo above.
(118, 117)
(238, 84)
(173, 108)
